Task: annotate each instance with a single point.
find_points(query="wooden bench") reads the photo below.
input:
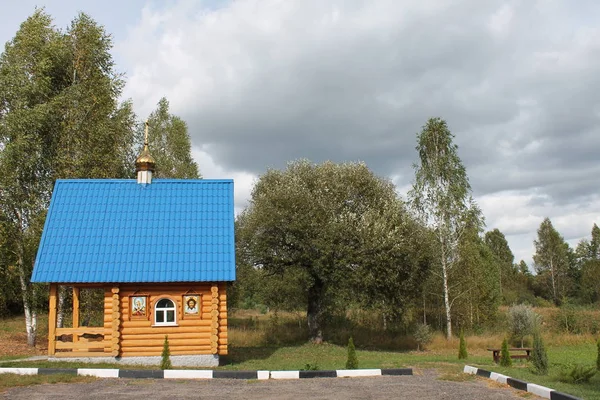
(496, 353)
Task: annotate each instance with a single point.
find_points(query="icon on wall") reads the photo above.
(191, 304)
(138, 306)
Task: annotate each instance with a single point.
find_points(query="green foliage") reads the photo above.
(539, 357)
(552, 262)
(598, 355)
(352, 361)
(169, 144)
(505, 359)
(462, 347)
(59, 118)
(441, 195)
(423, 335)
(503, 257)
(328, 234)
(522, 321)
(577, 373)
(165, 362)
(310, 367)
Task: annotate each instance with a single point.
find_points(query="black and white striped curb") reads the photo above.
(206, 374)
(538, 390)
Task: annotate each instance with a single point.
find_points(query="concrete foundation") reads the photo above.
(201, 360)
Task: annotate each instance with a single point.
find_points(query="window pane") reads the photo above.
(160, 316)
(170, 315)
(164, 303)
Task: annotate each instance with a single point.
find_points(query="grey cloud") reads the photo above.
(277, 85)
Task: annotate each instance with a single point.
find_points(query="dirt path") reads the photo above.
(424, 386)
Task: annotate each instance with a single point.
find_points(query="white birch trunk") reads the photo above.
(60, 312)
(30, 314)
(447, 301)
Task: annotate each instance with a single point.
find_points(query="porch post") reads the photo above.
(52, 321)
(75, 312)
(116, 322)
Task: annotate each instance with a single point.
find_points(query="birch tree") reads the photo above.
(441, 195)
(59, 118)
(170, 144)
(27, 72)
(551, 258)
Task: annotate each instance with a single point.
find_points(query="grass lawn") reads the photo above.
(248, 351)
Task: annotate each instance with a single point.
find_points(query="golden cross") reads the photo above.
(146, 134)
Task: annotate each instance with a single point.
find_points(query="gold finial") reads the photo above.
(145, 162)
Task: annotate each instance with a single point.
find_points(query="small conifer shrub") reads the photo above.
(539, 357)
(352, 362)
(598, 356)
(462, 347)
(577, 374)
(165, 362)
(505, 359)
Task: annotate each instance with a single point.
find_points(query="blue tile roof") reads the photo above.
(102, 230)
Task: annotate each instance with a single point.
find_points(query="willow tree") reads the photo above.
(441, 195)
(331, 224)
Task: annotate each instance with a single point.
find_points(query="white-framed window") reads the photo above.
(164, 312)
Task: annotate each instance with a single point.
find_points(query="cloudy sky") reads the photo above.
(261, 82)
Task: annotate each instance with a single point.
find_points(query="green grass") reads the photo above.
(257, 343)
(12, 380)
(558, 357)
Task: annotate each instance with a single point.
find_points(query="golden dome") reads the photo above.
(145, 161)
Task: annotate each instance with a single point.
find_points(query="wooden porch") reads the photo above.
(85, 341)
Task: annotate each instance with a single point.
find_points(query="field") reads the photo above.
(278, 342)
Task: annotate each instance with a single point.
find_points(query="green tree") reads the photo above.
(475, 285)
(27, 76)
(539, 356)
(170, 145)
(352, 361)
(505, 359)
(165, 357)
(95, 137)
(329, 223)
(522, 321)
(498, 245)
(587, 254)
(59, 118)
(552, 260)
(441, 194)
(598, 355)
(462, 347)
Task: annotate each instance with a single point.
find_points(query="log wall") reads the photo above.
(138, 336)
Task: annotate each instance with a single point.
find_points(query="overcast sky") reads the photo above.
(262, 82)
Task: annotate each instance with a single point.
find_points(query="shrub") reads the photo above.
(539, 356)
(577, 374)
(522, 321)
(310, 367)
(423, 335)
(598, 356)
(352, 362)
(505, 359)
(165, 362)
(462, 347)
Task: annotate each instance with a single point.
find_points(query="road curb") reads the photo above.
(207, 374)
(538, 390)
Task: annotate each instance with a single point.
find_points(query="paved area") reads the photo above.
(424, 386)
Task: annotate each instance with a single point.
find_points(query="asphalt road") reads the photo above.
(424, 386)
